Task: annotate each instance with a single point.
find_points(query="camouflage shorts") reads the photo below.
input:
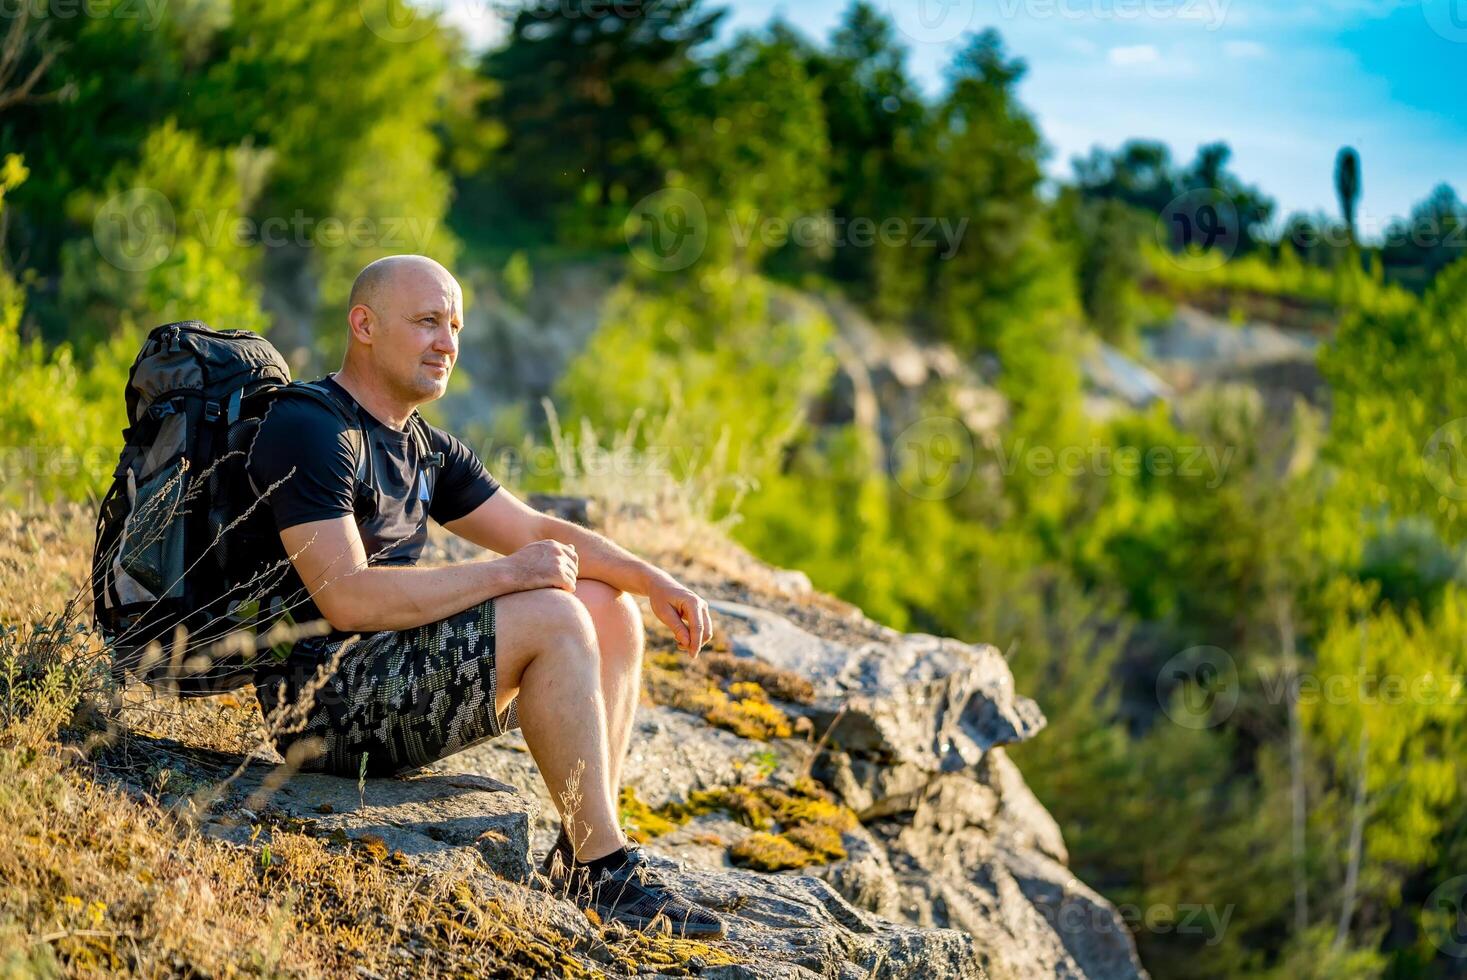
(398, 699)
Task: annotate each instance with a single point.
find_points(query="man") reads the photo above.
(431, 660)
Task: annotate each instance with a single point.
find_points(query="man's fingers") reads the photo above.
(689, 613)
(705, 619)
(678, 626)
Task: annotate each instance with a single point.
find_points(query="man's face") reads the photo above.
(415, 342)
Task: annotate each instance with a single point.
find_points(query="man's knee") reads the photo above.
(564, 619)
(608, 604)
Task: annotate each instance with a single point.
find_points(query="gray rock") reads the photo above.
(1022, 821)
(674, 753)
(1094, 936)
(1111, 374)
(936, 703)
(915, 727)
(439, 820)
(1210, 344)
(865, 877)
(801, 921)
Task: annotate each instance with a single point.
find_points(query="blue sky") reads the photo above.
(1284, 82)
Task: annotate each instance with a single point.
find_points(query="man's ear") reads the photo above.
(362, 322)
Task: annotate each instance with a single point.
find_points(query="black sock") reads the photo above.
(610, 862)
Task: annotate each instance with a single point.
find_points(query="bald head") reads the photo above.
(381, 278)
(405, 315)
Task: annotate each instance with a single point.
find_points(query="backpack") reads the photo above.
(188, 573)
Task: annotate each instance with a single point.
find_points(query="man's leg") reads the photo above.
(620, 638)
(547, 654)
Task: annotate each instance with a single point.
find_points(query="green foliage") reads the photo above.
(760, 158)
(1397, 435)
(181, 201)
(1339, 289)
(58, 419)
(1143, 175)
(587, 81)
(309, 139)
(986, 157)
(878, 126)
(1347, 184)
(292, 75)
(1434, 237)
(1109, 262)
(832, 514)
(1389, 694)
(734, 358)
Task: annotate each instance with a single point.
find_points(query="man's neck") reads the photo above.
(378, 402)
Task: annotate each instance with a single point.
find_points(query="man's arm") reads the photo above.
(505, 524)
(332, 563)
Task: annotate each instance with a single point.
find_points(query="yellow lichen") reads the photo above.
(640, 822)
(768, 852)
(743, 708)
(795, 826)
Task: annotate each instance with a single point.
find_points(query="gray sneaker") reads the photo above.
(635, 895)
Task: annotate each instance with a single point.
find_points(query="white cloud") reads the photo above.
(1081, 45)
(1244, 49)
(1134, 54)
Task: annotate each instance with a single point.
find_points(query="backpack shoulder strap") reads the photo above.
(426, 456)
(323, 395)
(430, 463)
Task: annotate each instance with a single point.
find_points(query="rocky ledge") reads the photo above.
(838, 790)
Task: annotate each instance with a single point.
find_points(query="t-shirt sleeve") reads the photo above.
(305, 449)
(463, 483)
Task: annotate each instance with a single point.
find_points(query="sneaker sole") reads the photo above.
(686, 930)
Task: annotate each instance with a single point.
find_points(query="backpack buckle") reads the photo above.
(212, 412)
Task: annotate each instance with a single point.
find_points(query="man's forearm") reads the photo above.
(603, 559)
(387, 597)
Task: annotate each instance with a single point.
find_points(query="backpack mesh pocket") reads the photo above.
(152, 539)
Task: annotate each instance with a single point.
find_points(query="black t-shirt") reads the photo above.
(308, 450)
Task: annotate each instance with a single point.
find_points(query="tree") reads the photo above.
(878, 125)
(584, 104)
(1106, 237)
(263, 125)
(1399, 403)
(1418, 248)
(1142, 174)
(986, 158)
(1347, 185)
(756, 153)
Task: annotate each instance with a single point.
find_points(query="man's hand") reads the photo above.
(684, 612)
(545, 565)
